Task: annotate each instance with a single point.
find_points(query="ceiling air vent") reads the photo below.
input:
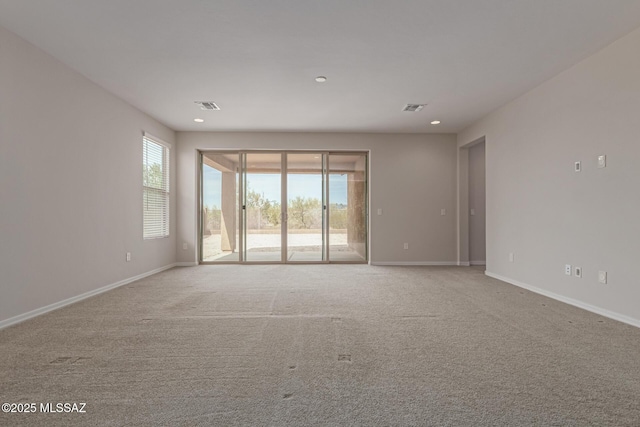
(413, 108)
(207, 105)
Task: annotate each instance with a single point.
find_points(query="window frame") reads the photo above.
(159, 227)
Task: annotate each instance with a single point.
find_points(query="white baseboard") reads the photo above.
(186, 264)
(478, 262)
(576, 303)
(415, 263)
(463, 263)
(42, 310)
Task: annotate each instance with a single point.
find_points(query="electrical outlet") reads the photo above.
(577, 271)
(128, 256)
(602, 277)
(511, 257)
(406, 246)
(602, 162)
(185, 246)
(379, 211)
(443, 212)
(473, 212)
(567, 269)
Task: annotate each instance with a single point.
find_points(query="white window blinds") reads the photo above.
(155, 184)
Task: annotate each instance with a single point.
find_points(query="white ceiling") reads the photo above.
(257, 59)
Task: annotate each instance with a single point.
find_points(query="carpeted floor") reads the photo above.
(335, 345)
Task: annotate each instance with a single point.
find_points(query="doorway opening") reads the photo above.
(477, 205)
(283, 207)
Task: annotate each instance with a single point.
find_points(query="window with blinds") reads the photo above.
(155, 184)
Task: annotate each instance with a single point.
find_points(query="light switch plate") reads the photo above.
(577, 166)
(443, 211)
(379, 211)
(577, 271)
(473, 212)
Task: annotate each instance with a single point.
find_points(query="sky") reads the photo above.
(303, 185)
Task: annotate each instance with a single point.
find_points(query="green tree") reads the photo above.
(338, 216)
(262, 211)
(271, 211)
(305, 213)
(152, 175)
(213, 219)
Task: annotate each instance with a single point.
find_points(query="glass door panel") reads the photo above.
(305, 210)
(262, 219)
(283, 207)
(219, 216)
(348, 207)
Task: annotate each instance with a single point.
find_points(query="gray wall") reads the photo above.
(70, 191)
(548, 215)
(70, 183)
(477, 247)
(412, 177)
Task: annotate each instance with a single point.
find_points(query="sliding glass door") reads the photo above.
(306, 207)
(348, 207)
(262, 207)
(276, 207)
(219, 213)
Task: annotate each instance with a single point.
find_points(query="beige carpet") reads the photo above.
(334, 345)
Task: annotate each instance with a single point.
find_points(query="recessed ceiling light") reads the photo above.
(435, 122)
(321, 79)
(198, 120)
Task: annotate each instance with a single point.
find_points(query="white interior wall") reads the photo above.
(412, 177)
(548, 215)
(70, 184)
(477, 246)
